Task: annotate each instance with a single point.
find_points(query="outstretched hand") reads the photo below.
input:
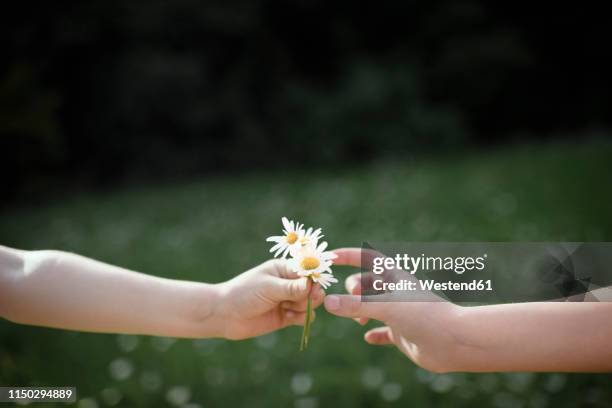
(420, 330)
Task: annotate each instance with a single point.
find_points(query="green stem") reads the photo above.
(309, 311)
(306, 330)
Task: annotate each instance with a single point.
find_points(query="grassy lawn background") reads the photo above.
(213, 229)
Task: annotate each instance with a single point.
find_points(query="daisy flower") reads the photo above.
(324, 279)
(308, 258)
(289, 242)
(309, 237)
(314, 262)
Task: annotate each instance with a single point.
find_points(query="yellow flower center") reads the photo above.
(291, 238)
(309, 263)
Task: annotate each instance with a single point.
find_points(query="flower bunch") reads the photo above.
(308, 258)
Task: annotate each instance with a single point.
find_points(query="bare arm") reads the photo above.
(68, 291)
(555, 336)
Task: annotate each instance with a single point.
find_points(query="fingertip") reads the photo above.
(367, 337)
(373, 337)
(379, 336)
(347, 256)
(353, 284)
(358, 257)
(317, 293)
(307, 285)
(332, 303)
(317, 299)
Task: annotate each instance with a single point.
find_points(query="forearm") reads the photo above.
(62, 290)
(554, 336)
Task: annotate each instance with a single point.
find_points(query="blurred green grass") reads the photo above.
(213, 229)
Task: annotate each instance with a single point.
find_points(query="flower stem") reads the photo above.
(306, 331)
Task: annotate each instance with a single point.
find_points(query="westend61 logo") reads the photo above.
(424, 263)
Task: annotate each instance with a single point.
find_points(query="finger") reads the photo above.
(278, 268)
(356, 283)
(352, 306)
(361, 320)
(353, 286)
(292, 289)
(358, 257)
(295, 306)
(316, 291)
(317, 297)
(296, 318)
(379, 336)
(317, 294)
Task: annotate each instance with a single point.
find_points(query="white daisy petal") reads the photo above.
(275, 247)
(286, 223)
(325, 279)
(279, 251)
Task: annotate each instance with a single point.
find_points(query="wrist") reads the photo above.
(443, 346)
(208, 312)
(466, 346)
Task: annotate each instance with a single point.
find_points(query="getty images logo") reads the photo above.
(414, 264)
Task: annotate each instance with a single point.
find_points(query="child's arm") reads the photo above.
(554, 336)
(63, 290)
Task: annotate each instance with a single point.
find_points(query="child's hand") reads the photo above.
(263, 299)
(423, 331)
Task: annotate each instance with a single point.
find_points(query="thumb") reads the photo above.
(295, 289)
(379, 336)
(353, 306)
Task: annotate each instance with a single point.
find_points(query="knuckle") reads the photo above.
(273, 264)
(294, 289)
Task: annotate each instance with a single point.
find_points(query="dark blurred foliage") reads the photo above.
(102, 91)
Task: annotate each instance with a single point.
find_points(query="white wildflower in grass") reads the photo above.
(308, 259)
(289, 241)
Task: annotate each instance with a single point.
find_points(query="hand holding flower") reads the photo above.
(68, 291)
(263, 299)
(308, 259)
